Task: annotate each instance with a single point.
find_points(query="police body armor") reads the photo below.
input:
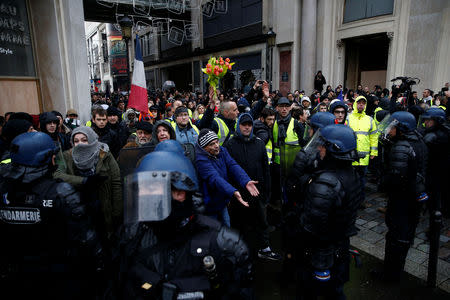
(158, 265)
(337, 186)
(31, 223)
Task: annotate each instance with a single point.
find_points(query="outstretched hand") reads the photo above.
(238, 196)
(251, 188)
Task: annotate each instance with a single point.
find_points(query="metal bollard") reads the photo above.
(435, 230)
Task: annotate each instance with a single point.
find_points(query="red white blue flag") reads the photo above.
(138, 93)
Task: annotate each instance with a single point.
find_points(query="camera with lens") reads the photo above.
(442, 92)
(406, 84)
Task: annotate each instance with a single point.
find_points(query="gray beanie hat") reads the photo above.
(87, 131)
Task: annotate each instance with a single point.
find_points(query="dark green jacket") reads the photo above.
(110, 191)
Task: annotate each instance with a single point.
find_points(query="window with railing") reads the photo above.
(363, 9)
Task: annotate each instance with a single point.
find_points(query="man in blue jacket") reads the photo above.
(216, 168)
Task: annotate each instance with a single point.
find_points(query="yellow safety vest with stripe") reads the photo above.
(223, 130)
(366, 135)
(284, 155)
(174, 125)
(89, 123)
(269, 150)
(5, 161)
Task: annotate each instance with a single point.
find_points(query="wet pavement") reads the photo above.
(370, 243)
(370, 239)
(360, 286)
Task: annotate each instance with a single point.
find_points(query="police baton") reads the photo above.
(435, 229)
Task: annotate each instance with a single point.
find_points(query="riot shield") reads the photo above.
(129, 157)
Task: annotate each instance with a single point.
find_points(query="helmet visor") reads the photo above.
(421, 122)
(314, 143)
(386, 126)
(147, 197)
(389, 127)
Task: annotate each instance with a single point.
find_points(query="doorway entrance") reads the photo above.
(366, 59)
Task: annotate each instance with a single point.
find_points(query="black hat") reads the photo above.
(146, 126)
(22, 116)
(113, 111)
(245, 118)
(179, 110)
(154, 107)
(283, 100)
(15, 127)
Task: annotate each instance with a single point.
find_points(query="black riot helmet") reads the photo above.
(149, 189)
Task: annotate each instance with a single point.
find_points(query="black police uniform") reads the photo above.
(49, 247)
(305, 164)
(437, 140)
(161, 258)
(328, 221)
(405, 162)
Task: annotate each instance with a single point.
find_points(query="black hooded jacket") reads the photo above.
(154, 140)
(108, 136)
(250, 153)
(437, 139)
(122, 132)
(261, 130)
(61, 138)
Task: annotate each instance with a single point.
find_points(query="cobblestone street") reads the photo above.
(371, 239)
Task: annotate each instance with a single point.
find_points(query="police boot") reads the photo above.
(394, 258)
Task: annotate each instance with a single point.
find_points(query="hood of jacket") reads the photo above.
(355, 107)
(169, 127)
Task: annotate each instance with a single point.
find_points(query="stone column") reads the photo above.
(295, 58)
(339, 64)
(61, 55)
(308, 45)
(391, 63)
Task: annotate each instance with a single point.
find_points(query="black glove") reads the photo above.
(94, 180)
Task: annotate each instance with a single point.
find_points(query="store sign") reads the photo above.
(117, 50)
(16, 51)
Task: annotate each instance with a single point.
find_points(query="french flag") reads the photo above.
(138, 93)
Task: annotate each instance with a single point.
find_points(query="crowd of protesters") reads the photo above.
(245, 145)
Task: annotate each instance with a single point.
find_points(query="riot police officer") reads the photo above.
(169, 251)
(49, 247)
(328, 215)
(306, 162)
(437, 139)
(405, 163)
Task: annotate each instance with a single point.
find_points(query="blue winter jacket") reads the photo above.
(216, 175)
(186, 135)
